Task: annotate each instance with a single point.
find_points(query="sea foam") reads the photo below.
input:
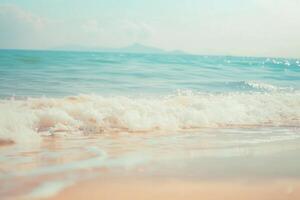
(24, 120)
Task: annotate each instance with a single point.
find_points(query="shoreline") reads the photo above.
(205, 165)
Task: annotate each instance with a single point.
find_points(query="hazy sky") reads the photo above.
(231, 27)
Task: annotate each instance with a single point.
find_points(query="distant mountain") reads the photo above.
(139, 48)
(134, 48)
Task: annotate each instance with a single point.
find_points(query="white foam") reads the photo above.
(266, 87)
(23, 120)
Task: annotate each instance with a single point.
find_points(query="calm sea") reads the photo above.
(59, 74)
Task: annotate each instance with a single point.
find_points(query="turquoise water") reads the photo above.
(48, 92)
(57, 74)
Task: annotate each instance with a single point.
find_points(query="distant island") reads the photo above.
(134, 48)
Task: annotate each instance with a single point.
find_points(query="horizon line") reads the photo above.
(165, 53)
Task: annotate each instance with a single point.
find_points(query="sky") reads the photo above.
(209, 27)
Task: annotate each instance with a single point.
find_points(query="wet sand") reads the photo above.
(213, 164)
(128, 189)
(4, 142)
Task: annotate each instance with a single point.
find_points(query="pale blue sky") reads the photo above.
(231, 27)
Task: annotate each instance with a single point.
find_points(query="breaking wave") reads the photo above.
(22, 120)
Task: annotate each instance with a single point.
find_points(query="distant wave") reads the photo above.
(22, 120)
(258, 86)
(265, 86)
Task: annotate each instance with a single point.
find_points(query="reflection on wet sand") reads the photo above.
(248, 163)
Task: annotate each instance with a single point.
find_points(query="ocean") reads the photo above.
(70, 111)
(60, 74)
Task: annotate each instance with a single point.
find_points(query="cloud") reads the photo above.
(259, 28)
(18, 28)
(23, 29)
(254, 28)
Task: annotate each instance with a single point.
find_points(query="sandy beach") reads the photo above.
(139, 166)
(149, 189)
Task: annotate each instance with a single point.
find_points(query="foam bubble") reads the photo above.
(22, 120)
